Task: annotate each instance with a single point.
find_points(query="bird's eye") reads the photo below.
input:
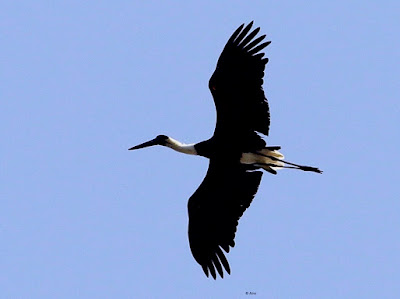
(214, 87)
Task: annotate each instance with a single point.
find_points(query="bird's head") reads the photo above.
(159, 140)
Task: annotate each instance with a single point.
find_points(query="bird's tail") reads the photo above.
(271, 160)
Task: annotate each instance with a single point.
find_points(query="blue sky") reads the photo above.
(82, 217)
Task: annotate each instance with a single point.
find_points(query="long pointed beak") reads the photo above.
(145, 144)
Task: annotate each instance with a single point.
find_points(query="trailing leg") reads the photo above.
(296, 166)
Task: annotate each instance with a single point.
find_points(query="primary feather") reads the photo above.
(229, 187)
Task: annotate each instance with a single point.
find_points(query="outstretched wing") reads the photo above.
(214, 211)
(236, 85)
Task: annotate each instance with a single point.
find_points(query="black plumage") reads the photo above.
(236, 151)
(229, 187)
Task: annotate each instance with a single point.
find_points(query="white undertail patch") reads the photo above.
(265, 158)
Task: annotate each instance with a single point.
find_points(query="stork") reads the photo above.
(236, 151)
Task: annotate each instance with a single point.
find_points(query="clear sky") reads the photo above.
(82, 81)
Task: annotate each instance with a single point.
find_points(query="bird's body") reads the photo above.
(236, 151)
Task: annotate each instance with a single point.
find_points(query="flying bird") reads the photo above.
(237, 153)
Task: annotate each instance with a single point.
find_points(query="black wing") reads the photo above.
(214, 211)
(236, 85)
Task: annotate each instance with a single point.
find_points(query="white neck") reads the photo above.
(181, 147)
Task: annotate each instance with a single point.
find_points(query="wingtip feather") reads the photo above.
(205, 269)
(212, 271)
(223, 260)
(242, 34)
(235, 34)
(259, 48)
(217, 265)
